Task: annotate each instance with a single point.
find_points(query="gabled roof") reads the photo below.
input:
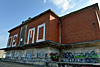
(80, 10)
(52, 12)
(36, 17)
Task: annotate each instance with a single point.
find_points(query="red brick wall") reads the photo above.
(12, 33)
(54, 29)
(35, 24)
(51, 28)
(74, 29)
(41, 33)
(80, 28)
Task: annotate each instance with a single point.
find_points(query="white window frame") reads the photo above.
(30, 35)
(98, 18)
(39, 40)
(10, 41)
(16, 35)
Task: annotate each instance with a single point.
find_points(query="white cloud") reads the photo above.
(72, 6)
(93, 2)
(67, 12)
(64, 4)
(44, 1)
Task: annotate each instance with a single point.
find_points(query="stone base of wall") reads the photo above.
(49, 64)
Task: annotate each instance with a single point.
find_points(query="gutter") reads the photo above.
(60, 31)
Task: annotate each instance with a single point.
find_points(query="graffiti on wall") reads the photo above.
(28, 55)
(54, 56)
(81, 57)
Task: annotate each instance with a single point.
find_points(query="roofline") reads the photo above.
(36, 17)
(81, 43)
(50, 11)
(32, 44)
(80, 10)
(49, 41)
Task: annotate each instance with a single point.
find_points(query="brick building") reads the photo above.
(48, 37)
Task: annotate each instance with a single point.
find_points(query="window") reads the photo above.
(22, 35)
(39, 40)
(30, 35)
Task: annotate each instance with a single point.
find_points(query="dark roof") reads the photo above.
(80, 10)
(32, 19)
(42, 44)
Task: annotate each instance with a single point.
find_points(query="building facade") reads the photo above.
(47, 37)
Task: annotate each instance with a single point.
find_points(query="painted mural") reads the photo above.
(54, 56)
(81, 57)
(20, 56)
(91, 57)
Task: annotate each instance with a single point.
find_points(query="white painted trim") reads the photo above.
(98, 18)
(39, 40)
(10, 41)
(30, 35)
(59, 31)
(20, 36)
(16, 35)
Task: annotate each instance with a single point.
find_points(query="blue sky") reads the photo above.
(13, 12)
